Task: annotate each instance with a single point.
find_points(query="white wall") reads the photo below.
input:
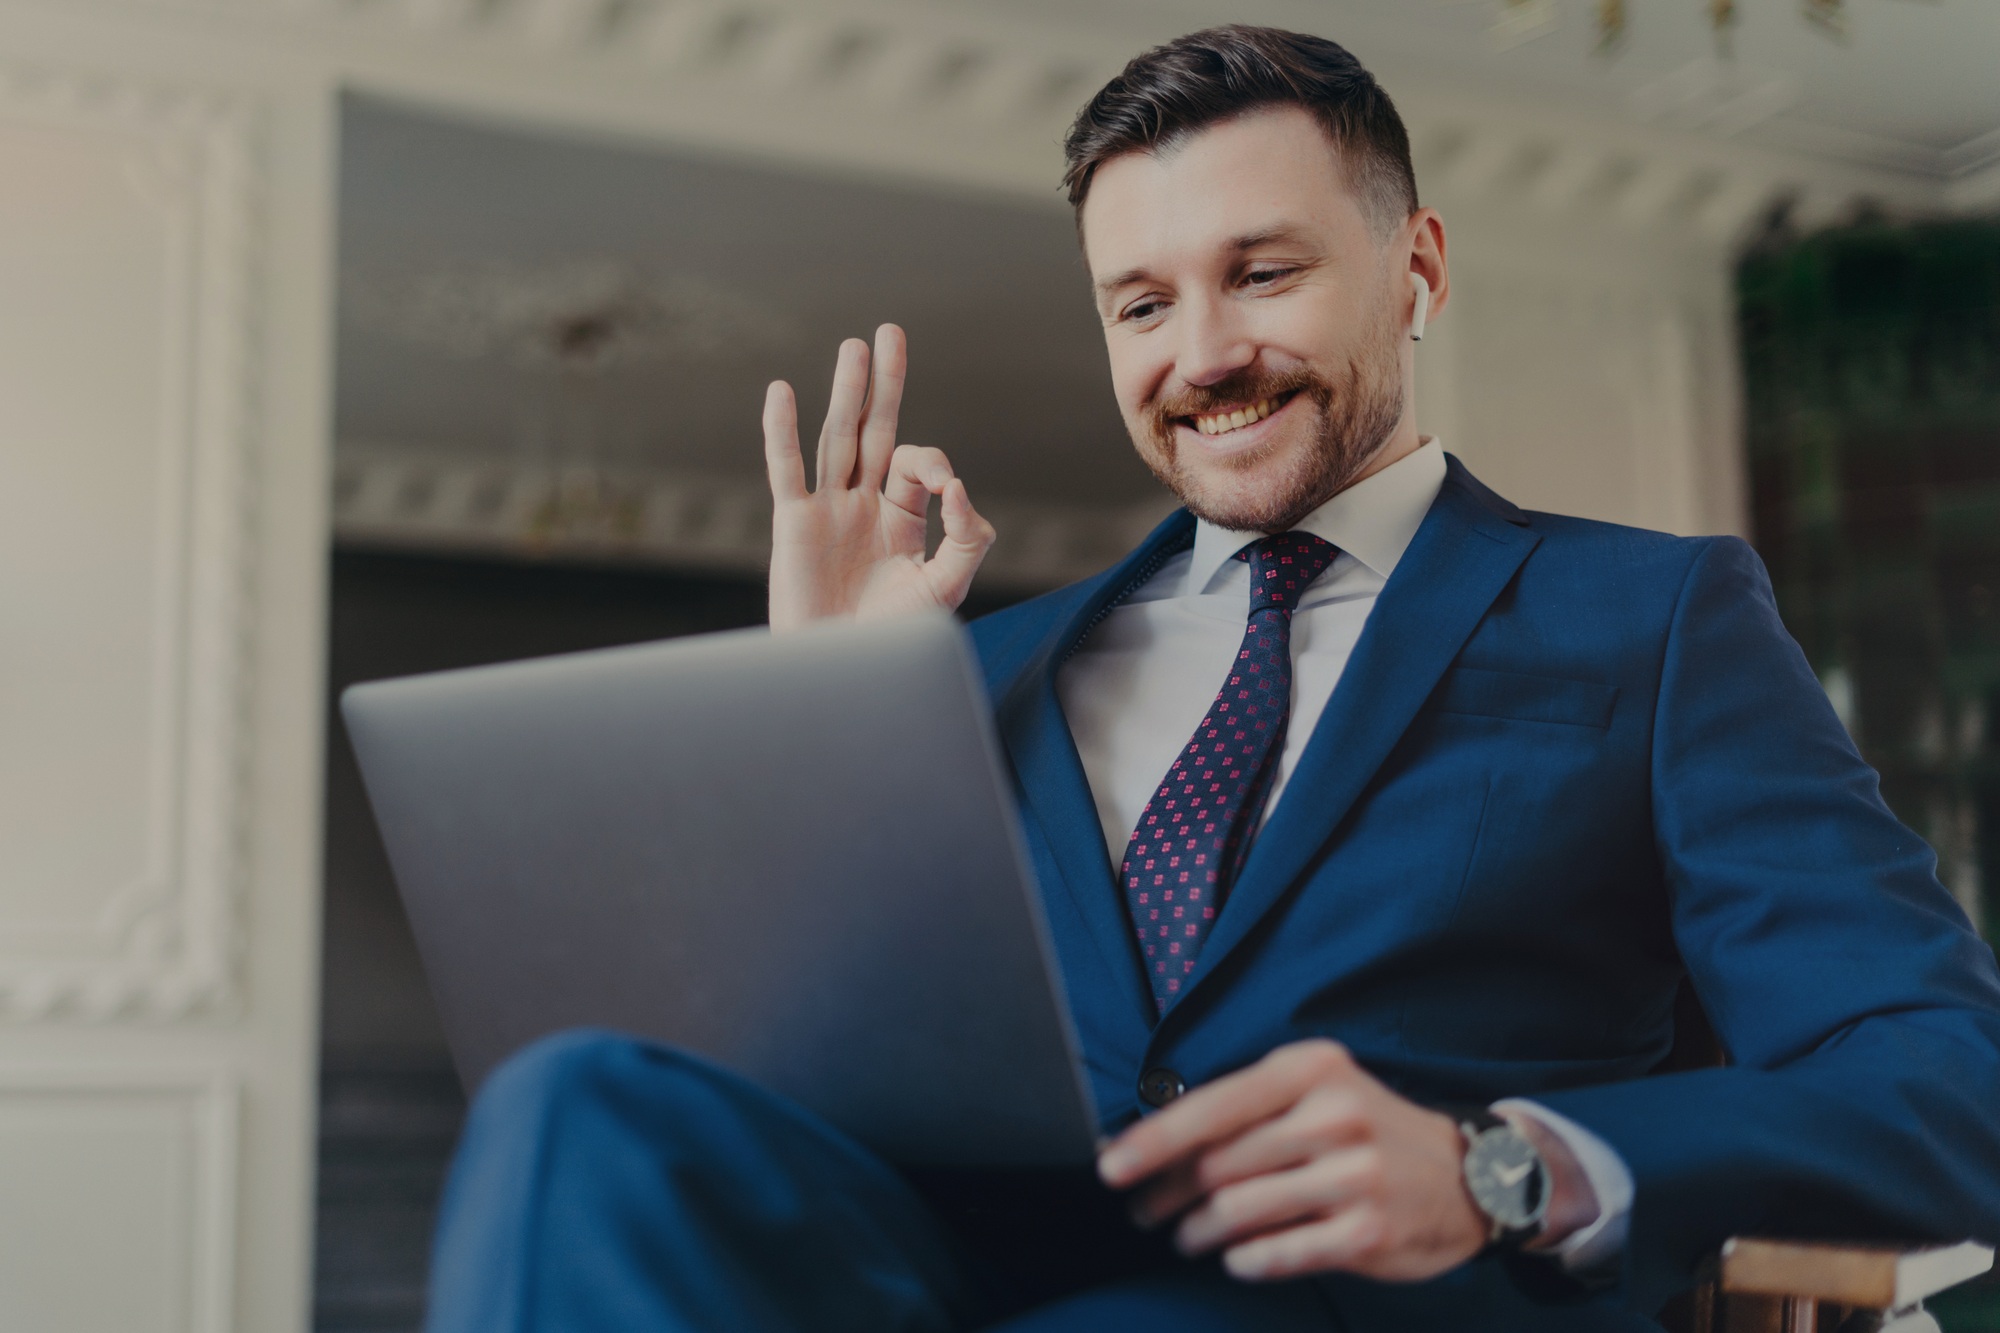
(1589, 369)
(162, 455)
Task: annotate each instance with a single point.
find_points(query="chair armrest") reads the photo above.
(1867, 1277)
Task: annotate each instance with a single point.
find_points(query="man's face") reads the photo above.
(1255, 324)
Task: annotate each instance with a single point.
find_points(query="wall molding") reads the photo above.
(212, 1097)
(165, 945)
(426, 500)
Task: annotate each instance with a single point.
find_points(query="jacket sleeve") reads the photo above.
(1860, 1010)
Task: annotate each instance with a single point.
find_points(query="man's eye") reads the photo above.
(1264, 277)
(1141, 311)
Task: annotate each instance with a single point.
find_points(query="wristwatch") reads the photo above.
(1506, 1177)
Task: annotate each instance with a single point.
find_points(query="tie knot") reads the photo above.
(1282, 565)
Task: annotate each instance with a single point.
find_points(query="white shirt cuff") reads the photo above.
(1610, 1180)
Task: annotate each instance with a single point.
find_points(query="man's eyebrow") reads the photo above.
(1281, 234)
(1104, 287)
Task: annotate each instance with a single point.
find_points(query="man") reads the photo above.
(1376, 981)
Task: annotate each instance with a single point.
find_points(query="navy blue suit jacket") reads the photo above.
(1568, 765)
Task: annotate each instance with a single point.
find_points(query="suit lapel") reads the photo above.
(1055, 791)
(1464, 554)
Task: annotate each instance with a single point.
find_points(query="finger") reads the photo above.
(1264, 1203)
(1342, 1241)
(1219, 1111)
(782, 460)
(1323, 1121)
(967, 539)
(1319, 1122)
(915, 475)
(843, 416)
(885, 405)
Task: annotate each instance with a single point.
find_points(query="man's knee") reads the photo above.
(606, 1078)
(563, 1108)
(556, 1067)
(556, 1078)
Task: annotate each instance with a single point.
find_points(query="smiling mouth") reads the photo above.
(1221, 423)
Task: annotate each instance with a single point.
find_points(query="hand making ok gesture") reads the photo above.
(854, 544)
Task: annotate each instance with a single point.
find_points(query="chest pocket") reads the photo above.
(1525, 698)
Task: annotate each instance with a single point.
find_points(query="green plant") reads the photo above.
(1872, 373)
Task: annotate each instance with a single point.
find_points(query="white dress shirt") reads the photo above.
(1135, 689)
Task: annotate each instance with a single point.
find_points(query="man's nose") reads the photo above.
(1215, 342)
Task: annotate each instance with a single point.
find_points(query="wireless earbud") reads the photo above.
(1422, 308)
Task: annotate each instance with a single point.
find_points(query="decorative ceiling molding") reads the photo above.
(1577, 178)
(413, 498)
(1975, 154)
(1977, 191)
(1881, 152)
(978, 97)
(946, 63)
(580, 315)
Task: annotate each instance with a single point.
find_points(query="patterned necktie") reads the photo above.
(1193, 834)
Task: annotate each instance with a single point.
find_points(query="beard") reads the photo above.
(1351, 420)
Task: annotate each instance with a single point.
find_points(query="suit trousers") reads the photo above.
(609, 1184)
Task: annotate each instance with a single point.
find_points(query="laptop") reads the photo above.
(795, 855)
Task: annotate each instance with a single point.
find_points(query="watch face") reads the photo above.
(1505, 1176)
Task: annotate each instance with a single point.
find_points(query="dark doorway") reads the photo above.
(390, 1105)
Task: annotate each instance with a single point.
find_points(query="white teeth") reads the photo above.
(1223, 422)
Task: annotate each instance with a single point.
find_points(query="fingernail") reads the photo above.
(1246, 1266)
(1114, 1165)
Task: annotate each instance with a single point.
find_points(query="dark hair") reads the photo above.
(1172, 91)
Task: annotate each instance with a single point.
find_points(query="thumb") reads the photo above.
(967, 539)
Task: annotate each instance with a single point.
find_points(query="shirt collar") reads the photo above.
(1374, 520)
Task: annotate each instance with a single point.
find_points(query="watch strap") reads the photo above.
(1475, 1120)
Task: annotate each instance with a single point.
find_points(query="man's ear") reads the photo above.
(1428, 265)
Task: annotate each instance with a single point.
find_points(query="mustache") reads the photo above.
(1237, 389)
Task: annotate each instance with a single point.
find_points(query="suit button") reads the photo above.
(1160, 1085)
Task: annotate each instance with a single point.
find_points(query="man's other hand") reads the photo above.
(1304, 1163)
(854, 544)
